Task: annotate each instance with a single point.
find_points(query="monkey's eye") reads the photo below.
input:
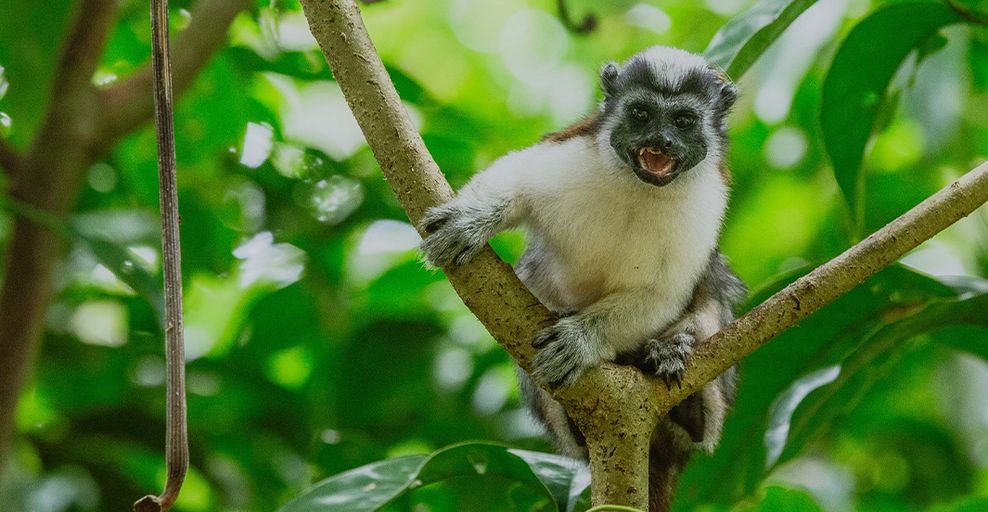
(685, 120)
(639, 114)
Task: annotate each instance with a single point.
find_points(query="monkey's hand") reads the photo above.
(665, 356)
(454, 234)
(565, 351)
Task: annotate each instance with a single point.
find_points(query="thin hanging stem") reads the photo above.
(176, 445)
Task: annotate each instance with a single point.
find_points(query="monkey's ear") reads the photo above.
(728, 95)
(728, 91)
(608, 79)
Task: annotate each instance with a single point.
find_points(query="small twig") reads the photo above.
(967, 13)
(176, 445)
(585, 27)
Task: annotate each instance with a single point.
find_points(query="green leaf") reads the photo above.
(363, 489)
(121, 262)
(744, 38)
(780, 418)
(859, 77)
(822, 340)
(876, 355)
(560, 479)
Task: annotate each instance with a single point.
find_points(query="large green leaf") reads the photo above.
(560, 479)
(855, 88)
(823, 340)
(737, 45)
(363, 489)
(876, 356)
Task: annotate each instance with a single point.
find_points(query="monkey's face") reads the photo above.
(665, 111)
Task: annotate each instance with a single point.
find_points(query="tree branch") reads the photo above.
(127, 103)
(49, 176)
(616, 429)
(177, 441)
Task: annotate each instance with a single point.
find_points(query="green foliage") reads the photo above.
(855, 89)
(318, 343)
(743, 39)
(559, 480)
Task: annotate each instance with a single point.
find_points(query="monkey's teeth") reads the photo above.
(655, 161)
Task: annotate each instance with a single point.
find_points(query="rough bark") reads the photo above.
(81, 124)
(616, 429)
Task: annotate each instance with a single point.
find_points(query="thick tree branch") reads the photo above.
(49, 177)
(127, 102)
(831, 280)
(81, 125)
(616, 429)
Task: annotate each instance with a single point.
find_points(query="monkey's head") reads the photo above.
(664, 111)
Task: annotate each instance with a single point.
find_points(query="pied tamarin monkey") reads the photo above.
(623, 213)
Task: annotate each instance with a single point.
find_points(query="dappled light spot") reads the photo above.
(257, 144)
(100, 322)
(452, 367)
(292, 161)
(785, 148)
(649, 17)
(316, 114)
(830, 484)
(333, 199)
(476, 23)
(290, 368)
(263, 261)
(493, 390)
(383, 245)
(897, 148)
(4, 83)
(726, 7)
(148, 372)
(203, 383)
(67, 488)
(101, 177)
(939, 258)
(793, 55)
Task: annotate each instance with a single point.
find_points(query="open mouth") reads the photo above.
(657, 163)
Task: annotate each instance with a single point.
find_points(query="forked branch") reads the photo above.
(512, 315)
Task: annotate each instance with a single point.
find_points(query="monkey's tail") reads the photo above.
(665, 464)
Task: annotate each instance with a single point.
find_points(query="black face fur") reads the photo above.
(682, 114)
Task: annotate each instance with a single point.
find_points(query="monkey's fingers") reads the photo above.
(544, 338)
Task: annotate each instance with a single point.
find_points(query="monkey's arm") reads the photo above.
(493, 200)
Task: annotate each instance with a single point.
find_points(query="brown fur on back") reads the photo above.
(587, 125)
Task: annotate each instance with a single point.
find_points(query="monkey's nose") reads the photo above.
(665, 143)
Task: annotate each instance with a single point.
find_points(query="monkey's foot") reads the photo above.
(665, 357)
(565, 352)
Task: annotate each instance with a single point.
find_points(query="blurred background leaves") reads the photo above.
(317, 342)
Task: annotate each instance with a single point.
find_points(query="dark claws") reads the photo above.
(434, 226)
(558, 383)
(543, 339)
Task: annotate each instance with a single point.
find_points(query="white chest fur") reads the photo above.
(604, 231)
